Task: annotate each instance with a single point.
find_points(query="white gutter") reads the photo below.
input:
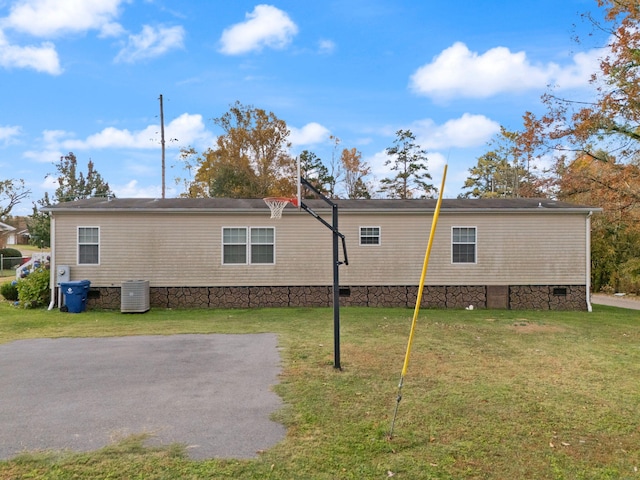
(588, 255)
(52, 263)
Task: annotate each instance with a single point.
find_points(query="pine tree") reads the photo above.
(409, 161)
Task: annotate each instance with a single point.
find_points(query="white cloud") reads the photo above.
(459, 72)
(50, 183)
(436, 164)
(312, 133)
(49, 18)
(43, 58)
(111, 30)
(53, 136)
(52, 18)
(48, 155)
(465, 132)
(265, 26)
(151, 42)
(185, 130)
(377, 163)
(112, 137)
(579, 73)
(8, 134)
(326, 47)
(133, 190)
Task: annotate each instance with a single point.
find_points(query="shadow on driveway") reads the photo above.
(211, 393)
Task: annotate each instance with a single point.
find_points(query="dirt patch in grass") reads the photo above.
(522, 326)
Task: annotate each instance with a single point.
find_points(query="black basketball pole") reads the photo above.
(336, 263)
(336, 291)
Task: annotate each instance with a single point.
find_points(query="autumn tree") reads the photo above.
(596, 143)
(250, 159)
(219, 176)
(409, 162)
(608, 123)
(12, 192)
(355, 173)
(598, 180)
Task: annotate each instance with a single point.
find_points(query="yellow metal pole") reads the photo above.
(425, 265)
(416, 310)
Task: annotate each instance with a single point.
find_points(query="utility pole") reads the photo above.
(162, 140)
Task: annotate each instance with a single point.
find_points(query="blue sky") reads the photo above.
(85, 76)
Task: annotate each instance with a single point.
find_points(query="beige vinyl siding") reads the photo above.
(184, 249)
(512, 249)
(517, 249)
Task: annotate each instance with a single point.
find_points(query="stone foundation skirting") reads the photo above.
(514, 297)
(561, 297)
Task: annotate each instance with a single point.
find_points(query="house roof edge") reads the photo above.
(230, 206)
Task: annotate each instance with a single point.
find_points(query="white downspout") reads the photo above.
(588, 255)
(52, 263)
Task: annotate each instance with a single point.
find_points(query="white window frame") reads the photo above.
(361, 236)
(248, 244)
(79, 244)
(474, 243)
(222, 242)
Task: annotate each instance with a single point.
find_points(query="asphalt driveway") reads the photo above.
(631, 303)
(211, 393)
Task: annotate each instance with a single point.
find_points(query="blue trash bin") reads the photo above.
(75, 295)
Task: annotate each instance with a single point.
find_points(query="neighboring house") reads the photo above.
(215, 252)
(18, 233)
(5, 232)
(20, 236)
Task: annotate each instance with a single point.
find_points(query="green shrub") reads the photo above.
(33, 290)
(9, 291)
(11, 258)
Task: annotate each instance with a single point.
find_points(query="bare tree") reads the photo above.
(12, 192)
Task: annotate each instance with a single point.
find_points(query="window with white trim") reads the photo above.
(234, 245)
(242, 245)
(369, 235)
(463, 245)
(262, 245)
(88, 245)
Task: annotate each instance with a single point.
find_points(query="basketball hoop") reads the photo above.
(277, 204)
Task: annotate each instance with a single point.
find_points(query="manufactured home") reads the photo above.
(219, 252)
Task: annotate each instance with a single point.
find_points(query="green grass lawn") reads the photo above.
(6, 275)
(488, 395)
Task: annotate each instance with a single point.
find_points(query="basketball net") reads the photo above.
(277, 204)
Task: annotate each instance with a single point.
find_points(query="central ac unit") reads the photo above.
(134, 296)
